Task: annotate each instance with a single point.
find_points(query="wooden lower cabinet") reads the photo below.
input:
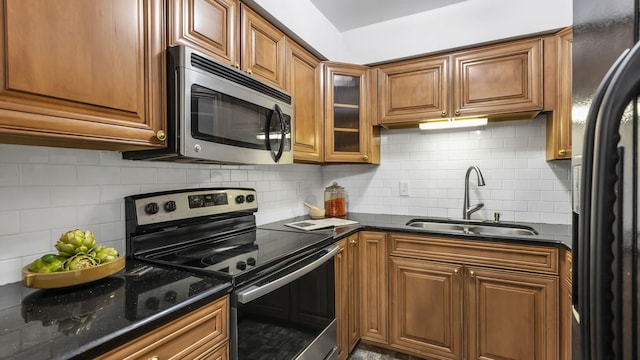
(566, 313)
(347, 296)
(201, 334)
(510, 315)
(442, 297)
(426, 308)
(374, 292)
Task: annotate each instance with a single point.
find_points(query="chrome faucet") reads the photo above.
(467, 209)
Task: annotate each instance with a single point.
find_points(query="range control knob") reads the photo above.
(239, 199)
(152, 303)
(241, 265)
(151, 208)
(251, 261)
(170, 206)
(251, 198)
(171, 297)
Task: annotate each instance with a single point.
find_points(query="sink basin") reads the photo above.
(472, 227)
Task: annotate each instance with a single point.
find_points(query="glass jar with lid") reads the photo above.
(335, 201)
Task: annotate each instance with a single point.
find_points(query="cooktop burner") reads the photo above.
(241, 253)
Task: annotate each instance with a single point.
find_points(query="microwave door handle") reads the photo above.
(581, 262)
(267, 130)
(254, 292)
(624, 87)
(278, 155)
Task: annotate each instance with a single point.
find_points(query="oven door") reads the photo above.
(289, 314)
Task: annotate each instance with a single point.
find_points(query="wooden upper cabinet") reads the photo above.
(304, 82)
(349, 135)
(494, 81)
(559, 120)
(263, 48)
(504, 78)
(209, 26)
(81, 73)
(413, 89)
(231, 33)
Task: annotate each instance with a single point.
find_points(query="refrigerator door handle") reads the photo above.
(624, 87)
(580, 246)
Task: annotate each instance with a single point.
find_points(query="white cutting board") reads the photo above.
(320, 223)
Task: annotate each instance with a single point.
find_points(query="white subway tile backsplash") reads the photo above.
(9, 175)
(9, 222)
(46, 191)
(11, 270)
(18, 245)
(47, 218)
(46, 174)
(73, 156)
(74, 195)
(98, 214)
(139, 175)
(172, 176)
(16, 197)
(99, 175)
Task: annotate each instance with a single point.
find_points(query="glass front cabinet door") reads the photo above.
(348, 133)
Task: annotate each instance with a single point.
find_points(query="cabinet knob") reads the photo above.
(562, 152)
(236, 65)
(472, 273)
(353, 242)
(444, 113)
(154, 357)
(161, 135)
(365, 157)
(456, 271)
(249, 71)
(457, 112)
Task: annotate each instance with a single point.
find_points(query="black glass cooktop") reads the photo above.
(242, 253)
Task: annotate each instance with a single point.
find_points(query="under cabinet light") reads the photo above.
(452, 123)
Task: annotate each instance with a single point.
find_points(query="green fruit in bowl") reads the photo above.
(104, 254)
(79, 262)
(48, 263)
(75, 242)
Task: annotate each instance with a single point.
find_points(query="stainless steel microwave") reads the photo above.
(218, 114)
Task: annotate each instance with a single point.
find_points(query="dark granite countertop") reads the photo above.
(83, 321)
(552, 234)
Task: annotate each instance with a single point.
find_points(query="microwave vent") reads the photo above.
(237, 77)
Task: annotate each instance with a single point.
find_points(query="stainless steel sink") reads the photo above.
(472, 227)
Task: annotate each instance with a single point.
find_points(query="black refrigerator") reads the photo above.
(605, 90)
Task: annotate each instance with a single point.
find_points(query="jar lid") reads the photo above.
(335, 186)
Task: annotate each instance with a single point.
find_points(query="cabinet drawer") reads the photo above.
(532, 258)
(192, 336)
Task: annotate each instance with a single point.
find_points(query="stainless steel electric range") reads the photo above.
(283, 302)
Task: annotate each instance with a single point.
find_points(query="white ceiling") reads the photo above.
(350, 14)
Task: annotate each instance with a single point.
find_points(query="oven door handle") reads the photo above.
(254, 292)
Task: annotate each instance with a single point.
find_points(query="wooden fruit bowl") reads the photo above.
(61, 279)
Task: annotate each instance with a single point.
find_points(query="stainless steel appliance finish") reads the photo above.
(283, 302)
(606, 85)
(218, 114)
